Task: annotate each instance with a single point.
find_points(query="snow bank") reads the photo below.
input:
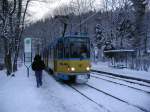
(124, 72)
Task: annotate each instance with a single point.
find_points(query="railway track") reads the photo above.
(121, 76)
(141, 90)
(122, 79)
(141, 108)
(92, 87)
(101, 106)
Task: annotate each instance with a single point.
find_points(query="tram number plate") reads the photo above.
(82, 77)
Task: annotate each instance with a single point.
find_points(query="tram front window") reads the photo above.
(79, 50)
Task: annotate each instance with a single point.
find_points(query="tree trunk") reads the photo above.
(7, 58)
(17, 35)
(145, 44)
(121, 42)
(9, 63)
(15, 65)
(19, 31)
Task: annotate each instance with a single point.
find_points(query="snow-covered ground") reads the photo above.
(132, 97)
(101, 94)
(125, 72)
(19, 94)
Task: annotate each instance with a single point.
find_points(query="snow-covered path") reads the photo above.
(19, 94)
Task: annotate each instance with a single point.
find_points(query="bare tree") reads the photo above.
(6, 25)
(80, 7)
(12, 15)
(140, 10)
(62, 14)
(19, 29)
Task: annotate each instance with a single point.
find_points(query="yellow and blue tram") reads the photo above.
(68, 58)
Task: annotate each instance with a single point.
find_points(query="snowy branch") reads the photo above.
(14, 7)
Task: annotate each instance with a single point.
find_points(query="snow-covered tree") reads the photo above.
(125, 29)
(12, 27)
(99, 37)
(140, 10)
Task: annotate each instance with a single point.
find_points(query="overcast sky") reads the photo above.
(40, 10)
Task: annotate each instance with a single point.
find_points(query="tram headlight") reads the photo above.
(88, 68)
(72, 69)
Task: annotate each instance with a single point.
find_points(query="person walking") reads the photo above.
(38, 66)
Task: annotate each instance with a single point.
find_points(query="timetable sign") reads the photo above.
(28, 45)
(28, 50)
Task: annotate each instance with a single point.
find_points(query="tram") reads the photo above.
(68, 58)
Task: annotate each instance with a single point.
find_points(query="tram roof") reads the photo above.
(67, 36)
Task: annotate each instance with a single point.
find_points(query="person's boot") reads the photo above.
(41, 83)
(38, 85)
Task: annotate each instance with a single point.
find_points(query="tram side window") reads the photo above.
(55, 52)
(60, 49)
(50, 53)
(66, 48)
(66, 52)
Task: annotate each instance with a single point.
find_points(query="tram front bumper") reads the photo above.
(79, 77)
(82, 78)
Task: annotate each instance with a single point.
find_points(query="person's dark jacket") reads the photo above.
(38, 64)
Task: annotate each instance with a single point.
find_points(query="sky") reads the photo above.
(40, 9)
